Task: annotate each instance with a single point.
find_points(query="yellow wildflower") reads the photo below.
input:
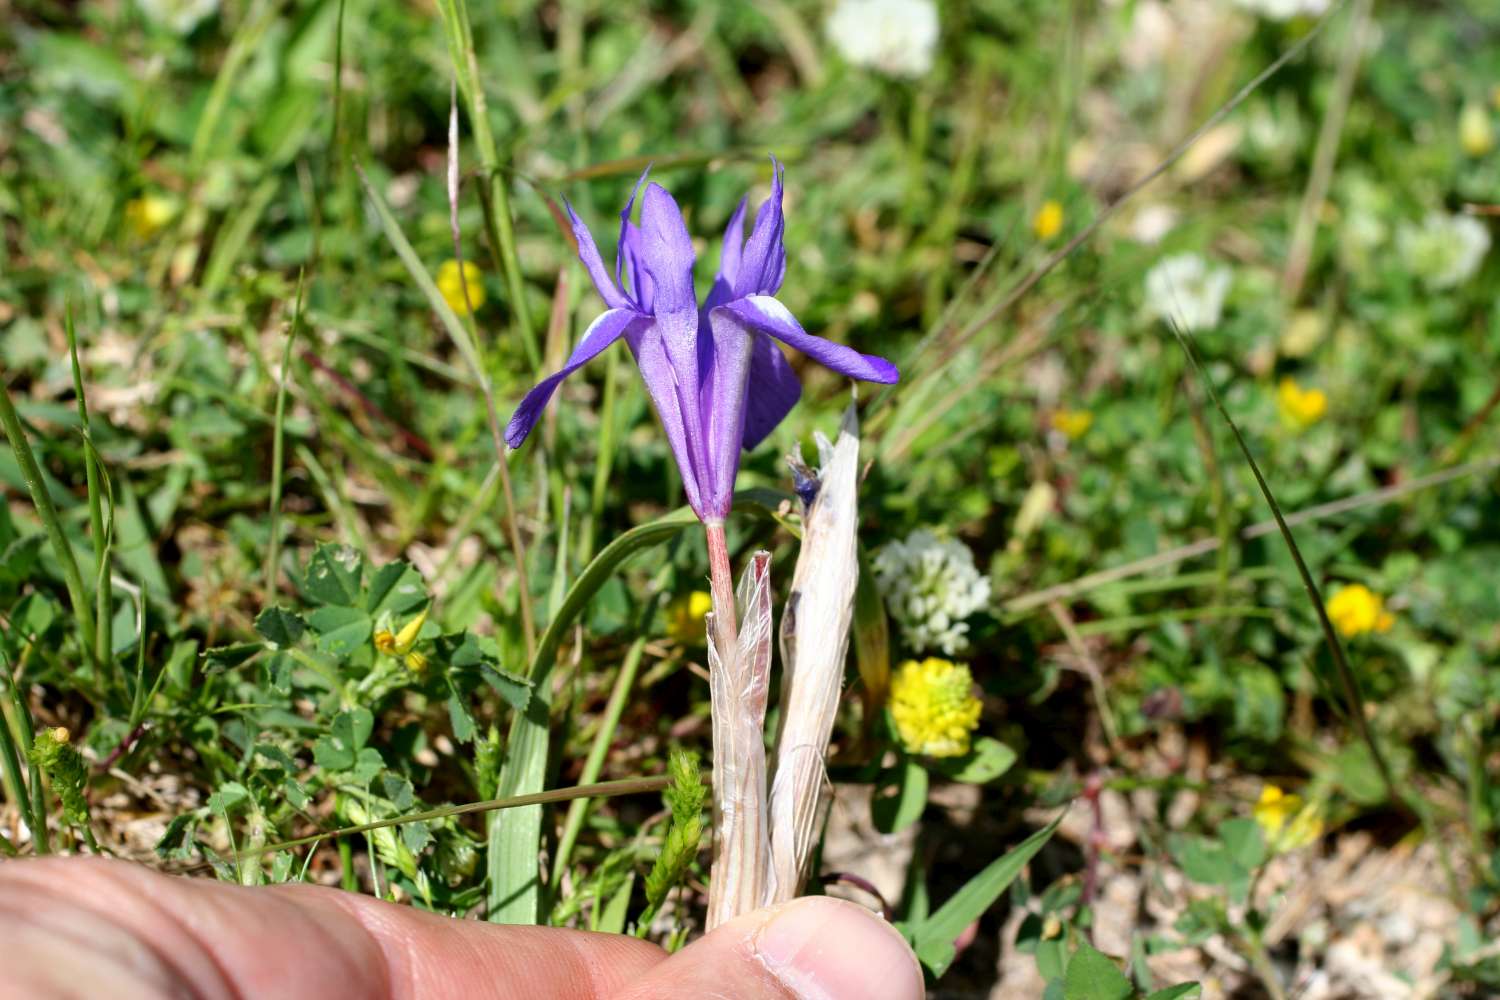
(1048, 221)
(1355, 610)
(934, 707)
(403, 643)
(1300, 407)
(1476, 132)
(147, 215)
(1073, 423)
(453, 280)
(685, 617)
(1286, 821)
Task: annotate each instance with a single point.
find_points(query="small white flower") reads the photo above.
(1445, 250)
(178, 16)
(895, 37)
(1285, 10)
(931, 587)
(1185, 289)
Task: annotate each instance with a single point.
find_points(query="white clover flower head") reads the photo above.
(931, 587)
(178, 16)
(1445, 250)
(1186, 290)
(1285, 10)
(894, 37)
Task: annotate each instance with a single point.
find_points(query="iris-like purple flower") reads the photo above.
(714, 372)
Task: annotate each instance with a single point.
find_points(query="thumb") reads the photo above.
(815, 948)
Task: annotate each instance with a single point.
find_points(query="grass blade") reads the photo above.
(933, 938)
(1346, 677)
(83, 614)
(273, 549)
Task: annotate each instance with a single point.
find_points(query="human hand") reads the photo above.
(88, 927)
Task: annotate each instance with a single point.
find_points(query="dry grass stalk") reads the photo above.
(738, 684)
(814, 644)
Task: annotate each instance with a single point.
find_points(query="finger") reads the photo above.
(90, 927)
(817, 948)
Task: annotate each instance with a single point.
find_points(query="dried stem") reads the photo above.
(814, 646)
(739, 671)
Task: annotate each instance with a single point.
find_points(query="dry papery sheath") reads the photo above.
(765, 841)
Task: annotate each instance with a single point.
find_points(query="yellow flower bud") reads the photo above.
(1356, 610)
(1048, 221)
(453, 281)
(685, 617)
(1286, 821)
(407, 637)
(1300, 408)
(1476, 132)
(401, 643)
(148, 215)
(934, 707)
(1072, 423)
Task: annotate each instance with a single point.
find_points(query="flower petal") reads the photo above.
(763, 264)
(605, 330)
(667, 250)
(627, 239)
(725, 359)
(729, 259)
(588, 252)
(774, 390)
(769, 316)
(649, 345)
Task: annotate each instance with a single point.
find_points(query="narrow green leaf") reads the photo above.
(933, 938)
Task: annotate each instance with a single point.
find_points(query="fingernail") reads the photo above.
(828, 949)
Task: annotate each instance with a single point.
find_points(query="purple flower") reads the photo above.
(714, 372)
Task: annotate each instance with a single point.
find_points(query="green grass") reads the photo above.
(199, 405)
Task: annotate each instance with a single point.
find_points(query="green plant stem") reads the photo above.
(51, 523)
(608, 723)
(40, 839)
(93, 473)
(1265, 969)
(273, 548)
(1299, 254)
(10, 766)
(495, 190)
(624, 786)
(1347, 679)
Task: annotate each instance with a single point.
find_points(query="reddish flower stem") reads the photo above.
(721, 586)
